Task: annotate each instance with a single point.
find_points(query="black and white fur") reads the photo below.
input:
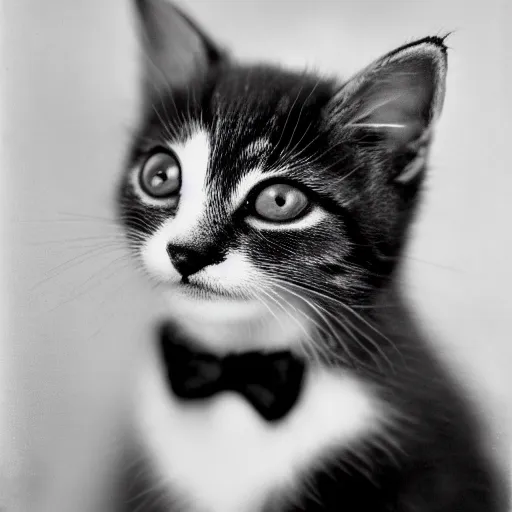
(380, 426)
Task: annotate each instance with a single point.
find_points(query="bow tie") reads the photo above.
(271, 382)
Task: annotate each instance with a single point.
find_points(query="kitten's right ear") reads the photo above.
(178, 53)
(398, 98)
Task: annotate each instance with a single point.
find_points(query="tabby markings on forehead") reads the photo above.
(257, 148)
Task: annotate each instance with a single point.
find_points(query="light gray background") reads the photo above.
(68, 103)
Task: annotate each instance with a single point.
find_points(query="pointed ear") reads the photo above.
(396, 99)
(177, 52)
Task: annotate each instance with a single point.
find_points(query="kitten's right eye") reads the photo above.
(280, 202)
(160, 176)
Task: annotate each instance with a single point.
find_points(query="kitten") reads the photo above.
(273, 207)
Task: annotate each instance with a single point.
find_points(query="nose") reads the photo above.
(188, 260)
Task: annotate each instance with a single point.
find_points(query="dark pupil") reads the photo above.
(280, 200)
(162, 175)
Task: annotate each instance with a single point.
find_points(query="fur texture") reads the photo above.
(381, 426)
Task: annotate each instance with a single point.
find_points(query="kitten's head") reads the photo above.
(258, 187)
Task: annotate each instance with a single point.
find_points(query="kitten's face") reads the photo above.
(253, 190)
(257, 203)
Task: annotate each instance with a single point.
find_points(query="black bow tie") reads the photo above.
(270, 382)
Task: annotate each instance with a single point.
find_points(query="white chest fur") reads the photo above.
(221, 456)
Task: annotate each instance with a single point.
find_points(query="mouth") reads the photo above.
(201, 289)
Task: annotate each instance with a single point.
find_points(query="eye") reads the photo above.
(280, 202)
(161, 175)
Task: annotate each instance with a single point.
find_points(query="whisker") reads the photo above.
(351, 325)
(308, 318)
(73, 242)
(82, 291)
(72, 262)
(314, 307)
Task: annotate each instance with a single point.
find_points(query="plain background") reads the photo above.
(76, 310)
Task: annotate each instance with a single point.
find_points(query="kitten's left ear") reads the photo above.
(178, 53)
(396, 99)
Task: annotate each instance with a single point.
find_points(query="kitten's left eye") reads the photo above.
(280, 202)
(161, 175)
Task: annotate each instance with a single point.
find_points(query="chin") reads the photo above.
(221, 323)
(204, 303)
(225, 322)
